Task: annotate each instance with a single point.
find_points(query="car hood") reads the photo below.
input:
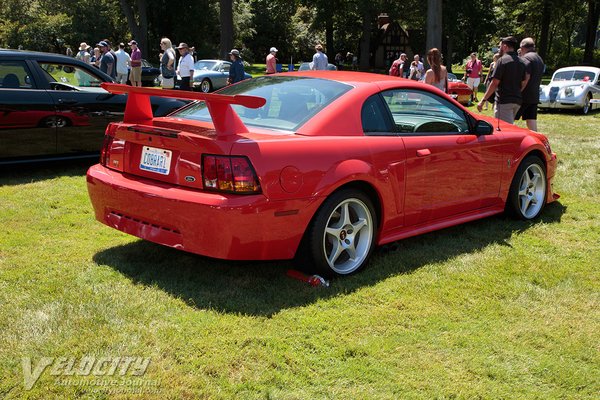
(564, 84)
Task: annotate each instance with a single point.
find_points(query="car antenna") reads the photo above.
(498, 124)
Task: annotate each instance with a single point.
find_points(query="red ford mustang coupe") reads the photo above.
(316, 166)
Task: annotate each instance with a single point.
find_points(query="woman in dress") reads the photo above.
(436, 75)
(490, 75)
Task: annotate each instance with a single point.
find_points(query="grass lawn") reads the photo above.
(494, 309)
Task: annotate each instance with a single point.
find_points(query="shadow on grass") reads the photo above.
(263, 288)
(27, 173)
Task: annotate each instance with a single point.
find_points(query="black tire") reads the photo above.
(206, 85)
(587, 107)
(528, 190)
(350, 218)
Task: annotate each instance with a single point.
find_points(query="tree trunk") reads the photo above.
(591, 27)
(329, 38)
(139, 27)
(542, 46)
(226, 19)
(434, 24)
(365, 41)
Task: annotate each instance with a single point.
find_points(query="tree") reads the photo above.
(137, 20)
(226, 21)
(591, 27)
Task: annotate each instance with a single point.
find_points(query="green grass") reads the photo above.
(491, 309)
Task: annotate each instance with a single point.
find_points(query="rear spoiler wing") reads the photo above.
(226, 121)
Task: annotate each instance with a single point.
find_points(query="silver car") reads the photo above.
(572, 88)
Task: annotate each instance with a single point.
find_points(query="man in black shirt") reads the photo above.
(508, 81)
(531, 94)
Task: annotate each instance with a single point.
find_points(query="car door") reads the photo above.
(449, 169)
(223, 74)
(83, 108)
(26, 112)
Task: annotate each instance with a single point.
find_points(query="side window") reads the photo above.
(69, 74)
(15, 75)
(417, 112)
(375, 120)
(225, 68)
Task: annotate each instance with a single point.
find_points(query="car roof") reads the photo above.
(579, 68)
(37, 55)
(356, 78)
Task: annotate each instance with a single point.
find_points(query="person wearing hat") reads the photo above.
(507, 82)
(123, 59)
(135, 73)
(107, 61)
(185, 68)
(236, 71)
(272, 61)
(83, 55)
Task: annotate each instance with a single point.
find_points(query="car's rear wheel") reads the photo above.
(341, 236)
(587, 106)
(55, 122)
(527, 195)
(205, 85)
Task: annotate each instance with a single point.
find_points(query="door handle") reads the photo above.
(423, 152)
(67, 101)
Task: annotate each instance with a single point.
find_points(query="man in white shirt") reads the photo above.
(319, 59)
(122, 64)
(185, 68)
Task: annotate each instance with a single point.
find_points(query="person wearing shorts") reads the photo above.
(135, 75)
(474, 69)
(531, 94)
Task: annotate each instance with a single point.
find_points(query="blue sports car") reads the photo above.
(211, 75)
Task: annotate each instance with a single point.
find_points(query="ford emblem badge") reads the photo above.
(190, 178)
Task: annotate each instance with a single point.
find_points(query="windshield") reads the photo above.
(200, 65)
(291, 101)
(574, 75)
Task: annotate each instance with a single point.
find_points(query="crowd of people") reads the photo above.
(512, 82)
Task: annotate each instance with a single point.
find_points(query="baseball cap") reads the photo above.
(235, 52)
(273, 50)
(132, 42)
(102, 43)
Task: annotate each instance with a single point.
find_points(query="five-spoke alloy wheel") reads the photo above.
(527, 195)
(342, 234)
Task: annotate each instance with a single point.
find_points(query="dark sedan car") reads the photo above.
(150, 74)
(52, 106)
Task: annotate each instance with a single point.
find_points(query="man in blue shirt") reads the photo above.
(319, 59)
(107, 62)
(236, 72)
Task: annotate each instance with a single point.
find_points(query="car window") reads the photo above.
(225, 68)
(15, 75)
(418, 112)
(70, 74)
(290, 101)
(375, 121)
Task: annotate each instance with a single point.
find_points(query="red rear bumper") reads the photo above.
(222, 226)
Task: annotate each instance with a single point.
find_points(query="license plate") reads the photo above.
(156, 160)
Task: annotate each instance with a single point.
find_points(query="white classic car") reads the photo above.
(572, 88)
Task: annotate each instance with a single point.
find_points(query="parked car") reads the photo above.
(305, 66)
(459, 90)
(316, 167)
(210, 75)
(572, 88)
(52, 106)
(150, 74)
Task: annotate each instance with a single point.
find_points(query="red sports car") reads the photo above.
(317, 166)
(459, 90)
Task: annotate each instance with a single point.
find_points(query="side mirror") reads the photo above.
(483, 128)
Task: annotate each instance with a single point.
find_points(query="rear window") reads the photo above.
(291, 101)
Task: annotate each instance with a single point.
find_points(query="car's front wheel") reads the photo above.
(527, 195)
(205, 85)
(341, 236)
(587, 107)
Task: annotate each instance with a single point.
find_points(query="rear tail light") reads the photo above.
(109, 137)
(233, 174)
